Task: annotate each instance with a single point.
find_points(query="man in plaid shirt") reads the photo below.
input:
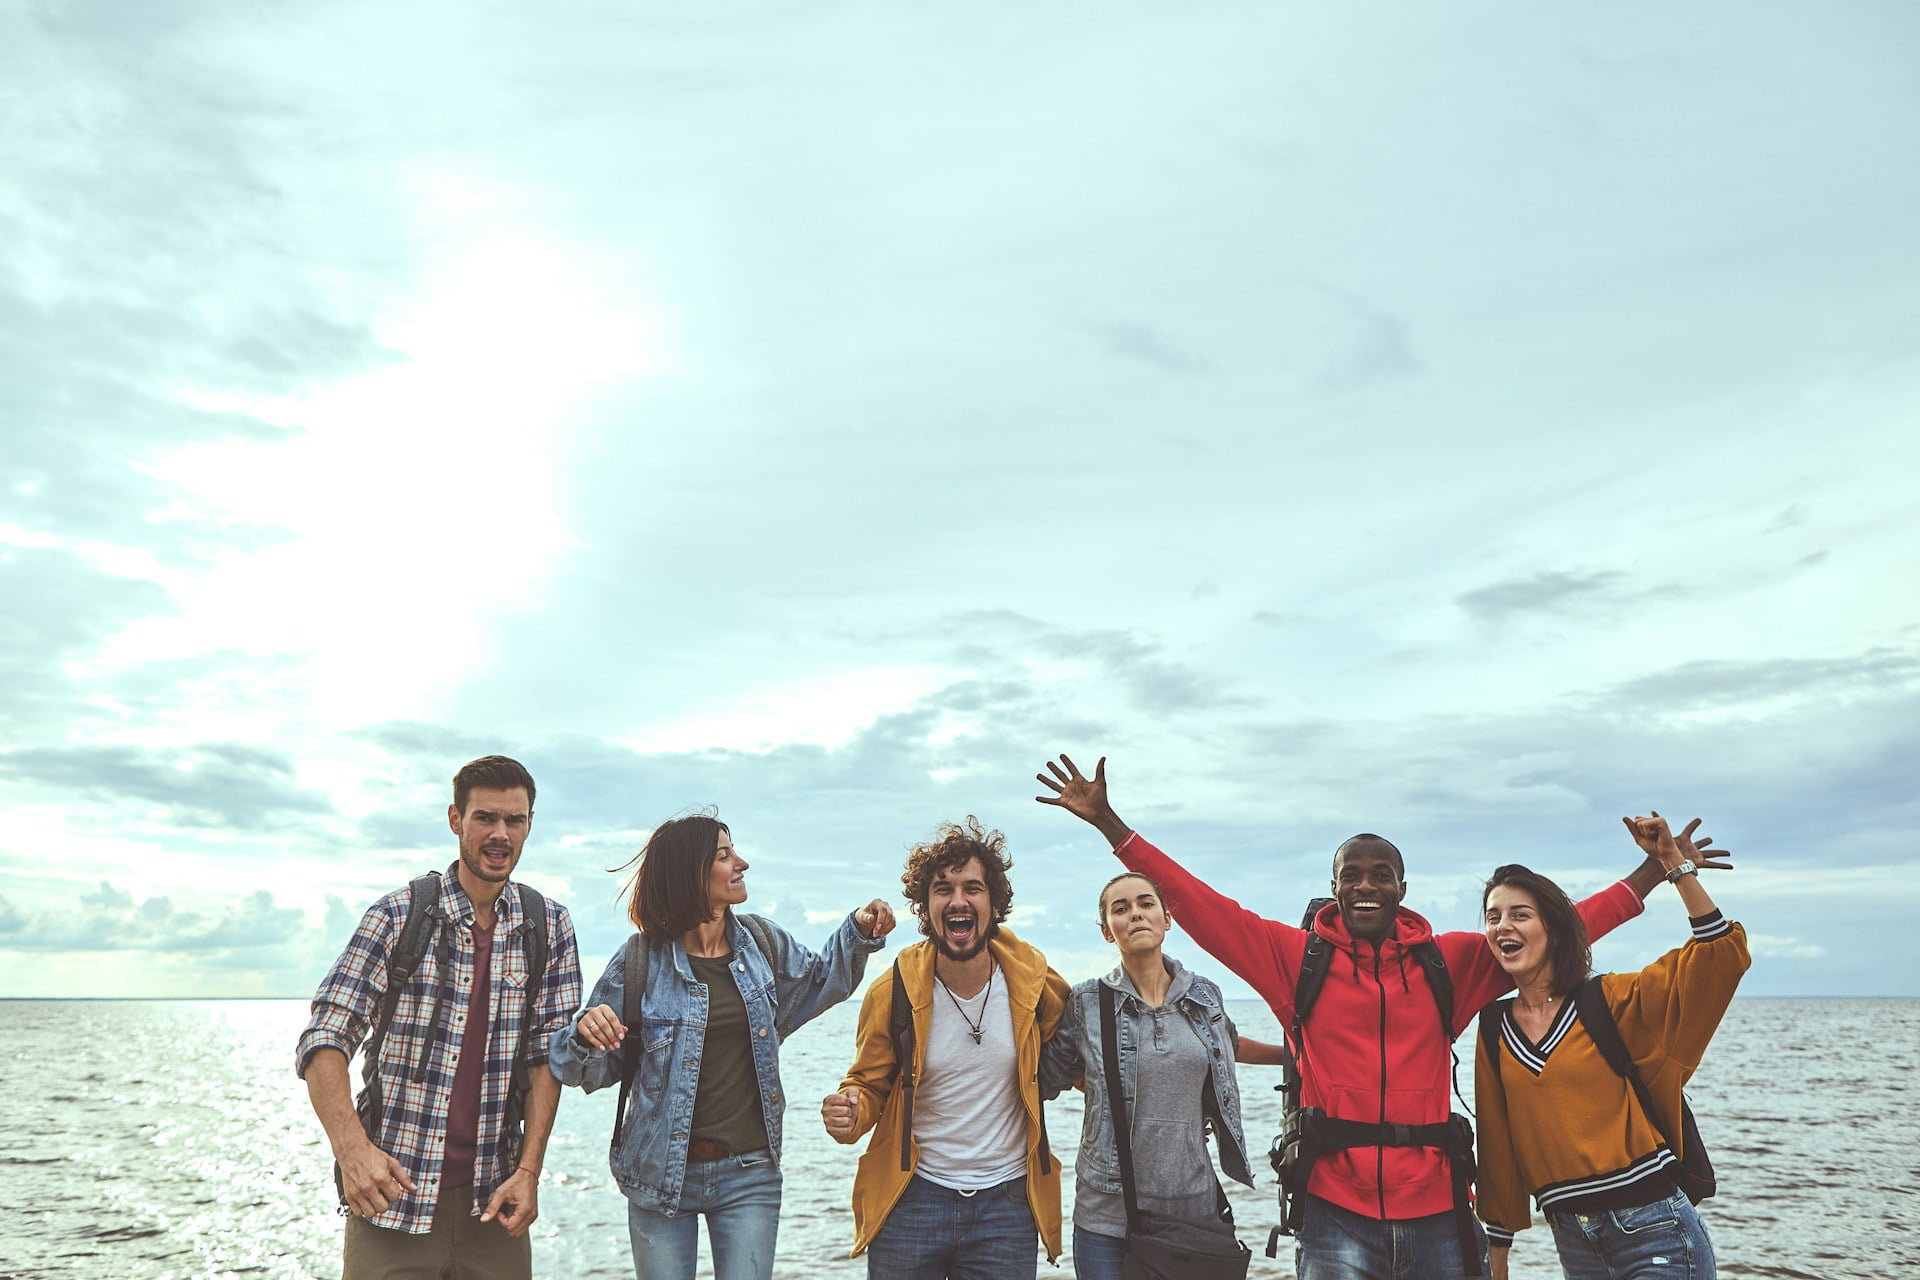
(432, 1196)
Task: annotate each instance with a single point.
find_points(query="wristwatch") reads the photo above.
(1686, 868)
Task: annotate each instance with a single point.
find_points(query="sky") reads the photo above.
(1470, 423)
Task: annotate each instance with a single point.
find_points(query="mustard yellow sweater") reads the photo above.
(1556, 1123)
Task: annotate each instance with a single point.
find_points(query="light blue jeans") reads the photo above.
(739, 1197)
(1336, 1244)
(1664, 1240)
(937, 1233)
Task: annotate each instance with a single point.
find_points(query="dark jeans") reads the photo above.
(1097, 1257)
(1336, 1244)
(937, 1233)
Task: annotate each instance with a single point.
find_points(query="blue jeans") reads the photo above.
(1097, 1257)
(937, 1233)
(740, 1198)
(1664, 1240)
(1337, 1244)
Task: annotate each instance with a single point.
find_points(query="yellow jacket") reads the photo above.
(1037, 996)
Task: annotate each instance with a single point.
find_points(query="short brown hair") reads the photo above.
(498, 772)
(951, 846)
(1568, 951)
(669, 897)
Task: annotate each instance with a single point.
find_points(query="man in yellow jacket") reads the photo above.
(958, 1179)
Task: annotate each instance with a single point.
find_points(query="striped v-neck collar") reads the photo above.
(1528, 1054)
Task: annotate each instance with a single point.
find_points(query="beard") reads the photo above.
(981, 937)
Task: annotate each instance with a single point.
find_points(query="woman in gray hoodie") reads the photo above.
(1176, 1049)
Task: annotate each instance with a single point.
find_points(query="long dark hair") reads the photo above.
(1568, 950)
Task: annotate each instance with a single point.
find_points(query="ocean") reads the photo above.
(170, 1140)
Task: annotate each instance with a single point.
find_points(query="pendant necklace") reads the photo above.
(974, 1029)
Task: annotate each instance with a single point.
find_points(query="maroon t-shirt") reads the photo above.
(463, 1111)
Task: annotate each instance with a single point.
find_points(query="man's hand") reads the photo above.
(1668, 849)
(875, 920)
(600, 1027)
(840, 1112)
(372, 1179)
(1085, 798)
(516, 1202)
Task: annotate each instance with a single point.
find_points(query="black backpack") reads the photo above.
(1307, 1133)
(425, 916)
(1695, 1173)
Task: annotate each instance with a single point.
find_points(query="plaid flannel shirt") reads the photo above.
(416, 1078)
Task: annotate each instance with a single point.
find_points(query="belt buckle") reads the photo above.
(968, 1192)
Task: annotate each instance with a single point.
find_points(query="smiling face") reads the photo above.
(1368, 886)
(727, 877)
(1132, 917)
(1517, 934)
(492, 831)
(959, 915)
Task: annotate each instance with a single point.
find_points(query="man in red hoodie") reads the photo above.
(1372, 1052)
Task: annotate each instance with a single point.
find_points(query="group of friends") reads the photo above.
(969, 1032)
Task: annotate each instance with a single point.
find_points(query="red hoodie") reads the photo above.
(1373, 1047)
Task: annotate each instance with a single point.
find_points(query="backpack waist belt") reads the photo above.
(1321, 1134)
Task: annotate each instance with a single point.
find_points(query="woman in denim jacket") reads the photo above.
(702, 1135)
(1177, 1049)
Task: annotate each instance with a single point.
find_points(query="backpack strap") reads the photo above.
(1117, 1105)
(760, 929)
(424, 914)
(900, 1031)
(532, 928)
(635, 959)
(1490, 1020)
(1439, 981)
(1695, 1172)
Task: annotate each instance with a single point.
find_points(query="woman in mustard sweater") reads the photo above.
(1556, 1122)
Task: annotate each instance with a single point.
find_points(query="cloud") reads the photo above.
(1770, 947)
(1144, 344)
(109, 919)
(1559, 593)
(229, 786)
(1713, 682)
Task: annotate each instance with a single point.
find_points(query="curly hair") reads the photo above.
(1569, 953)
(952, 844)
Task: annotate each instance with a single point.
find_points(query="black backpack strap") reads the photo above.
(1439, 980)
(1490, 1020)
(424, 914)
(403, 961)
(1117, 1105)
(532, 928)
(1695, 1174)
(634, 961)
(900, 1031)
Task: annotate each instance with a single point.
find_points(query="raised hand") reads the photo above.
(600, 1027)
(875, 920)
(1653, 837)
(1083, 797)
(1696, 850)
(1647, 833)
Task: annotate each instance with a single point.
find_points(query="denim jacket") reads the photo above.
(782, 993)
(1075, 1055)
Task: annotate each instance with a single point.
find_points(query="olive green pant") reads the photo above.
(460, 1247)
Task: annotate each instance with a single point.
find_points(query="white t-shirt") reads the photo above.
(967, 1115)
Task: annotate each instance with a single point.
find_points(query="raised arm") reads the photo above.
(1264, 952)
(1669, 853)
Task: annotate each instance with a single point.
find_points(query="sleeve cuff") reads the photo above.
(1499, 1238)
(1710, 926)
